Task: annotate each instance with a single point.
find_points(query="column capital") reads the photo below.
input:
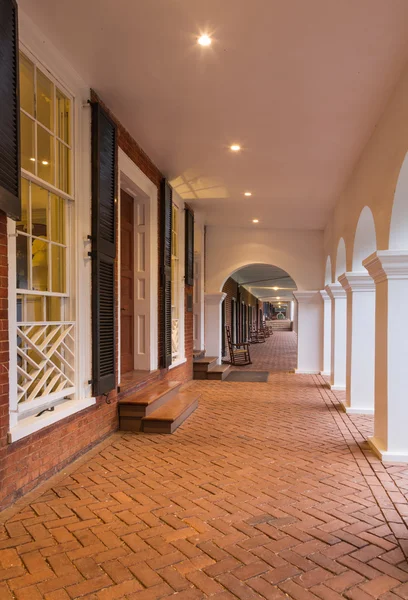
(307, 297)
(215, 299)
(335, 291)
(325, 296)
(387, 264)
(355, 281)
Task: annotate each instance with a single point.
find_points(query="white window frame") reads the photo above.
(43, 53)
(181, 357)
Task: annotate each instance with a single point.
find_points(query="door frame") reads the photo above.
(138, 185)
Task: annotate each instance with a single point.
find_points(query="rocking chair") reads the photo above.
(239, 353)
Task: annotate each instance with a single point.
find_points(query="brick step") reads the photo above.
(219, 372)
(134, 407)
(167, 418)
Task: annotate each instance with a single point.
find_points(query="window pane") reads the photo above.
(22, 242)
(57, 219)
(54, 308)
(63, 167)
(40, 265)
(45, 155)
(58, 268)
(63, 116)
(27, 143)
(45, 101)
(26, 84)
(34, 308)
(19, 309)
(22, 224)
(39, 211)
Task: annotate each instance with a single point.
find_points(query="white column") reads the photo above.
(327, 320)
(389, 269)
(338, 336)
(213, 322)
(360, 290)
(310, 332)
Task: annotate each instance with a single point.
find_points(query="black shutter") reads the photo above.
(189, 247)
(9, 111)
(165, 268)
(104, 184)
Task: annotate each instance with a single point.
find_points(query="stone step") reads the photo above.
(219, 372)
(134, 407)
(203, 364)
(167, 418)
(197, 354)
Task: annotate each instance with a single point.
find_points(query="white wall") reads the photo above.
(373, 181)
(299, 253)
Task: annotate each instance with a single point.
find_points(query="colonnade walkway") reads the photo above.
(277, 353)
(267, 491)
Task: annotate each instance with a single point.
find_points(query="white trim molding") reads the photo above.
(32, 424)
(131, 176)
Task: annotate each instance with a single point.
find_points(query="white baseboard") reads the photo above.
(385, 455)
(353, 410)
(306, 372)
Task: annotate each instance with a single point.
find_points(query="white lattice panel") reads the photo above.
(45, 361)
(174, 336)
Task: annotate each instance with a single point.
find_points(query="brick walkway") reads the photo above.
(278, 353)
(267, 491)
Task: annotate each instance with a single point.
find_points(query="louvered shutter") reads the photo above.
(9, 111)
(189, 247)
(166, 227)
(104, 182)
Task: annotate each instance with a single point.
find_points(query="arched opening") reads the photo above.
(328, 271)
(340, 259)
(338, 322)
(399, 218)
(360, 336)
(365, 242)
(259, 309)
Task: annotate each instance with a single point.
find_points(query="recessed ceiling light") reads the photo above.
(44, 162)
(248, 194)
(204, 40)
(255, 220)
(235, 147)
(275, 288)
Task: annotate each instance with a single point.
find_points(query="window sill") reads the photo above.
(177, 363)
(32, 424)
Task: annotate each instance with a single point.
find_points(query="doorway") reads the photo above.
(127, 303)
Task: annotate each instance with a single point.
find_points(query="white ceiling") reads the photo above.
(261, 279)
(300, 84)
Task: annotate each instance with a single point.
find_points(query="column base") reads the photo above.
(384, 455)
(306, 372)
(325, 373)
(338, 388)
(352, 410)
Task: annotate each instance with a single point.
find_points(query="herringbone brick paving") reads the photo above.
(277, 353)
(267, 491)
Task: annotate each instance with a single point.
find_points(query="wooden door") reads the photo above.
(127, 324)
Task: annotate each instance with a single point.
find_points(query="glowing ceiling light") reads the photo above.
(248, 194)
(235, 147)
(44, 162)
(275, 288)
(278, 298)
(255, 220)
(32, 159)
(204, 40)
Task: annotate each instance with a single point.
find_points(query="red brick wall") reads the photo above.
(25, 464)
